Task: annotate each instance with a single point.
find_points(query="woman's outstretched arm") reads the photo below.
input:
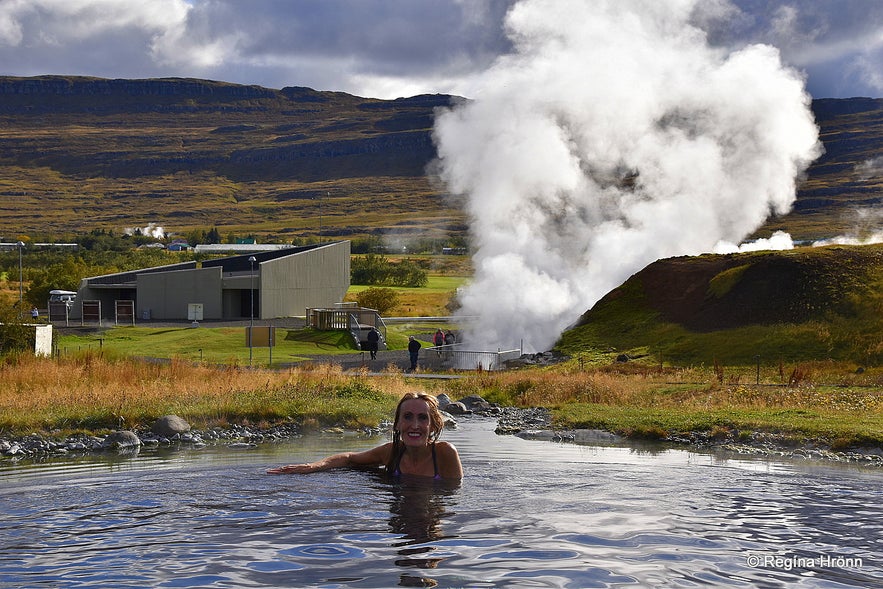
(374, 457)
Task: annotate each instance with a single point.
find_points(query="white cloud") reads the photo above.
(388, 48)
(837, 44)
(10, 27)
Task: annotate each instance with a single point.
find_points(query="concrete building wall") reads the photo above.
(285, 284)
(317, 278)
(167, 294)
(107, 298)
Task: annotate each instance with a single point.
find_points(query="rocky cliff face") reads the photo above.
(126, 128)
(129, 138)
(76, 86)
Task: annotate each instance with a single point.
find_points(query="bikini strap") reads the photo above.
(434, 462)
(398, 460)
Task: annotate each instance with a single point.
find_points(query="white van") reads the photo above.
(63, 296)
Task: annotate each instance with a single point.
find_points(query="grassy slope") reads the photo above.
(279, 164)
(809, 304)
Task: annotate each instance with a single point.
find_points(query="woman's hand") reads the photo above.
(292, 469)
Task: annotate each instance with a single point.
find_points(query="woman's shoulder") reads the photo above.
(445, 448)
(448, 461)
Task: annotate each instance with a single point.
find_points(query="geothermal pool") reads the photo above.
(528, 514)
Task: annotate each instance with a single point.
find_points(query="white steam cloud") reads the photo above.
(613, 136)
(868, 169)
(151, 230)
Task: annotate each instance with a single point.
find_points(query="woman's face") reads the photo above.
(415, 424)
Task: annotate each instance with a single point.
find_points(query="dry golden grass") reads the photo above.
(95, 393)
(655, 402)
(91, 391)
(677, 388)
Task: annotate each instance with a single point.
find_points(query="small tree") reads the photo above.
(382, 300)
(14, 336)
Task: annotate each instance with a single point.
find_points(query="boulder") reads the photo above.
(457, 409)
(448, 420)
(121, 440)
(169, 425)
(476, 404)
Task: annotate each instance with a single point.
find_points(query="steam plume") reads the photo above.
(151, 230)
(613, 136)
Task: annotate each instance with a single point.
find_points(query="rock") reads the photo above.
(595, 436)
(121, 440)
(443, 401)
(476, 404)
(14, 450)
(457, 408)
(448, 420)
(170, 425)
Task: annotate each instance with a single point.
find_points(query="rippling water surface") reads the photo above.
(528, 514)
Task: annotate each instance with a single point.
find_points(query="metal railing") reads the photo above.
(355, 320)
(456, 357)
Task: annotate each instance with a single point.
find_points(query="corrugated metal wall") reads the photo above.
(318, 278)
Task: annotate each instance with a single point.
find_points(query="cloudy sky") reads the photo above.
(390, 48)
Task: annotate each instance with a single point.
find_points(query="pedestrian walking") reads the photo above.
(413, 351)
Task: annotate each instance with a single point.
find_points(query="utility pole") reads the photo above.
(21, 246)
(251, 261)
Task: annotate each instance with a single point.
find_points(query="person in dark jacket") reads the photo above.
(413, 350)
(373, 342)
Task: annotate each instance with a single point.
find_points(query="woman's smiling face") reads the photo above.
(414, 422)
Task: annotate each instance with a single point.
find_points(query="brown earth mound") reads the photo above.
(708, 293)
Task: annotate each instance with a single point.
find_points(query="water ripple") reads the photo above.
(529, 514)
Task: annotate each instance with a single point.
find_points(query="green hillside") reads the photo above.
(78, 154)
(807, 304)
(83, 153)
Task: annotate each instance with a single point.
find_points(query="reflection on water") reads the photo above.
(417, 508)
(528, 514)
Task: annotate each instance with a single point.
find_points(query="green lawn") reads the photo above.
(227, 345)
(435, 284)
(221, 345)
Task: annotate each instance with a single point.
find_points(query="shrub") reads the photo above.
(382, 300)
(14, 336)
(376, 269)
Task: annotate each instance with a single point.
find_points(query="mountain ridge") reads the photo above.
(193, 153)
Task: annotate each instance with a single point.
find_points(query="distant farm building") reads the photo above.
(278, 283)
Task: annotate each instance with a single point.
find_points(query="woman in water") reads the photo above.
(414, 449)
